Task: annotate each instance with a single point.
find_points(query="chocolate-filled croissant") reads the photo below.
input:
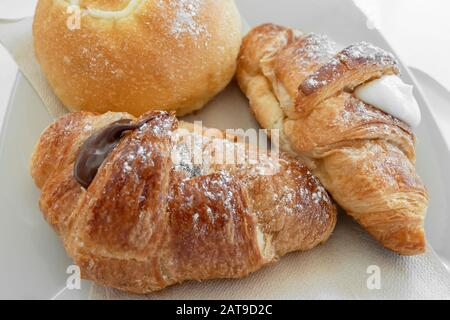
(304, 86)
(149, 219)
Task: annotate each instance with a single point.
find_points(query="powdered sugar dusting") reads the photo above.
(185, 21)
(364, 52)
(350, 58)
(328, 73)
(315, 48)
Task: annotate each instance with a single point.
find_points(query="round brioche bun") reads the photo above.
(137, 55)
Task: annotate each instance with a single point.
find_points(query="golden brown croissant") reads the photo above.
(300, 84)
(146, 221)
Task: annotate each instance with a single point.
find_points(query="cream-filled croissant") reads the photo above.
(137, 212)
(325, 103)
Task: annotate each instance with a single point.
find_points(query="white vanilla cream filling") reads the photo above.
(391, 95)
(109, 14)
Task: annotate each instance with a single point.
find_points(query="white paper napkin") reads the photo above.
(16, 37)
(336, 270)
(350, 265)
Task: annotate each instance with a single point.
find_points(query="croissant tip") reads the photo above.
(407, 242)
(412, 249)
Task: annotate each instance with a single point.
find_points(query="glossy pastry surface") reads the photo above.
(152, 216)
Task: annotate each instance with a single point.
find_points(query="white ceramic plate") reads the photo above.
(33, 262)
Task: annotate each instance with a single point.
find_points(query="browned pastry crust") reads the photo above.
(301, 84)
(146, 222)
(166, 54)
